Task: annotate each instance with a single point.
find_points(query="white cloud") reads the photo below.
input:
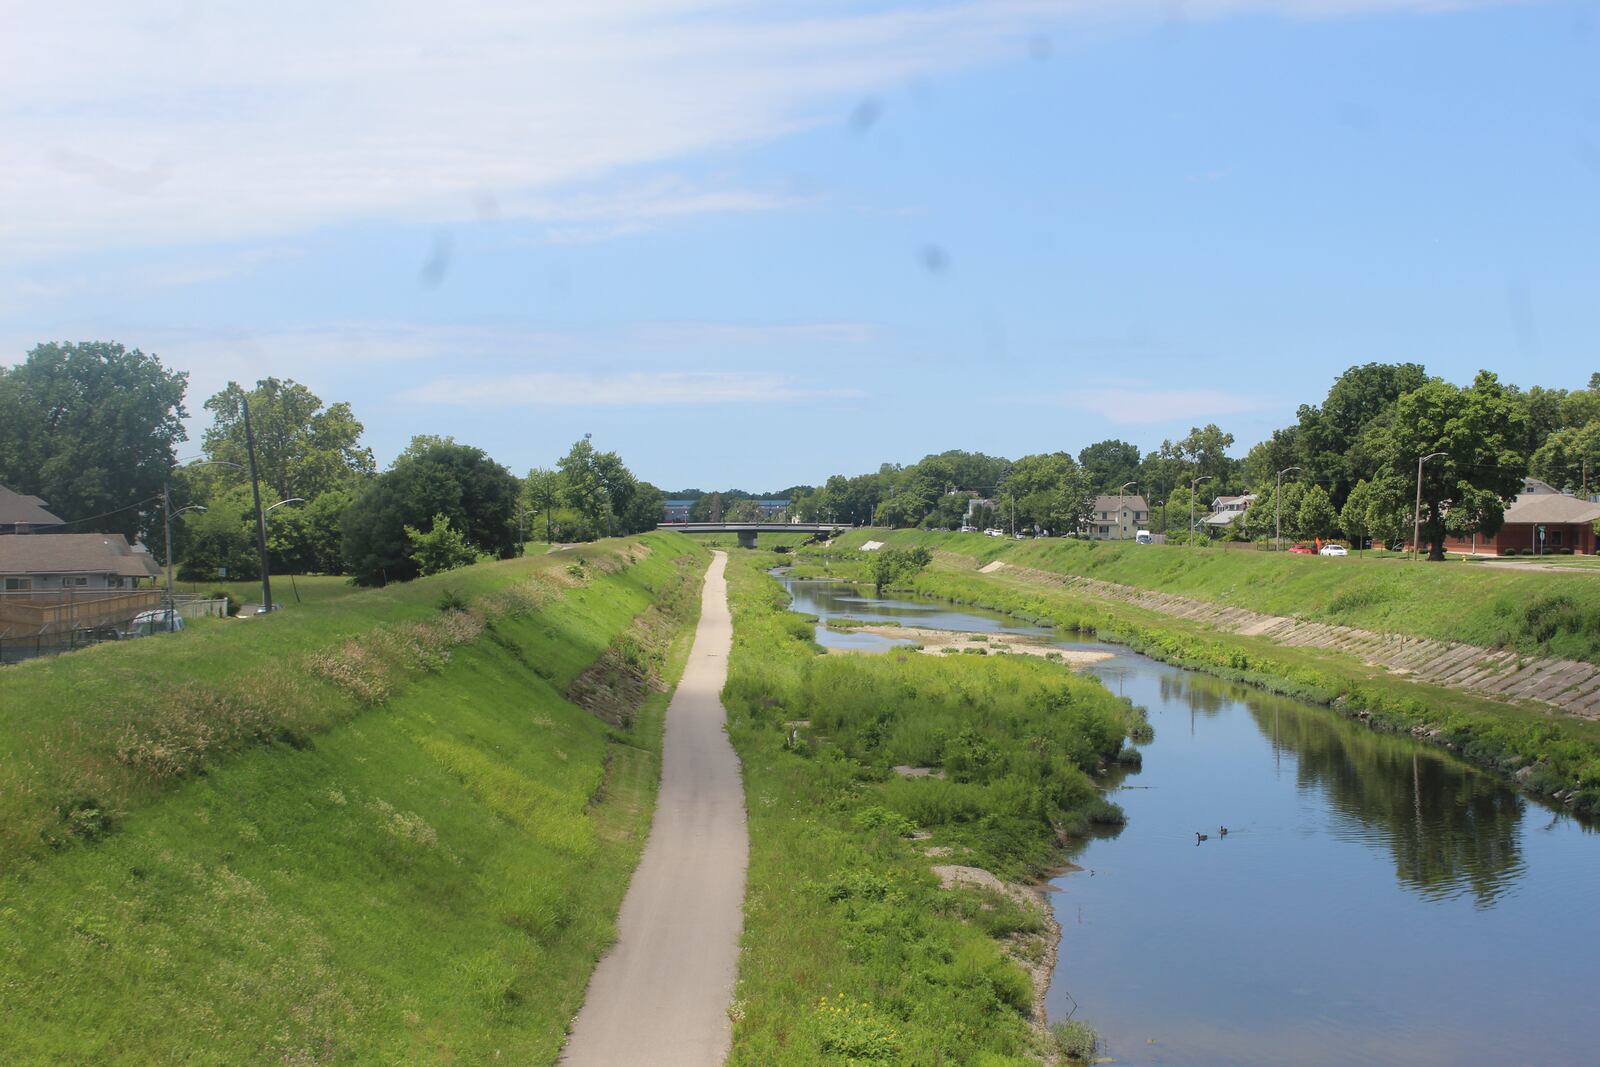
(631, 389)
(172, 122)
(1140, 406)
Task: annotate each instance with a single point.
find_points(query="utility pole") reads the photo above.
(261, 518)
(1277, 536)
(1416, 516)
(1192, 485)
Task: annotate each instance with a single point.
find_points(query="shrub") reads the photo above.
(232, 601)
(1075, 1041)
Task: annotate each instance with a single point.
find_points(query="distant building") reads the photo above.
(1225, 511)
(676, 510)
(24, 514)
(69, 562)
(1117, 518)
(771, 510)
(1542, 520)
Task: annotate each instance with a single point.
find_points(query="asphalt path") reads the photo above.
(660, 997)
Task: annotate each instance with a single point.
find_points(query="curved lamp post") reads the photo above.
(1277, 534)
(1416, 516)
(266, 585)
(169, 515)
(1121, 496)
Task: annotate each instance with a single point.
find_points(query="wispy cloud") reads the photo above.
(636, 389)
(1124, 406)
(170, 122)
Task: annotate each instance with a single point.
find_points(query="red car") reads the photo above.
(1302, 550)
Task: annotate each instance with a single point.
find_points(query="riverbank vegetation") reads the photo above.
(1548, 754)
(391, 827)
(1532, 612)
(853, 952)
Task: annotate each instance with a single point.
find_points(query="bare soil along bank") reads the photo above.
(661, 996)
(949, 642)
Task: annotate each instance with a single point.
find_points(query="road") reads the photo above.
(660, 997)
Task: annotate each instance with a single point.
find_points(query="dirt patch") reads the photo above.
(935, 642)
(919, 772)
(991, 567)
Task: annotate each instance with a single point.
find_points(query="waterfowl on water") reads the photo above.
(1223, 832)
(1199, 837)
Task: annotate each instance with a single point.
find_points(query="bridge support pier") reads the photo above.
(747, 539)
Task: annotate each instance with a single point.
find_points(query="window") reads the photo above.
(71, 580)
(17, 585)
(1555, 537)
(113, 581)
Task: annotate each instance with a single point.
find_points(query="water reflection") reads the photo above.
(1369, 888)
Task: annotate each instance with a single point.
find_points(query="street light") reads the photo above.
(1416, 516)
(266, 585)
(1277, 535)
(521, 525)
(168, 514)
(1121, 495)
(1192, 484)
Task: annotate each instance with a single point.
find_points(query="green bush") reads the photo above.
(1076, 1041)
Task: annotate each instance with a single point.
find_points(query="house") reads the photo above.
(1225, 511)
(72, 562)
(1542, 520)
(24, 514)
(1117, 518)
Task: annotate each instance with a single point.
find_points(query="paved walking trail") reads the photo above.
(660, 997)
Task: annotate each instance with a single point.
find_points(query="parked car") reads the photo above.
(157, 621)
(1302, 550)
(1143, 537)
(1334, 550)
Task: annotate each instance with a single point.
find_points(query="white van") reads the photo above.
(1144, 538)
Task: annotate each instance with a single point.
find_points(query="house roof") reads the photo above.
(29, 510)
(1117, 503)
(1550, 507)
(75, 554)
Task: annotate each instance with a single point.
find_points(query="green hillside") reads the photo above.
(370, 831)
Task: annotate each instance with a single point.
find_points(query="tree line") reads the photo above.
(1347, 466)
(95, 428)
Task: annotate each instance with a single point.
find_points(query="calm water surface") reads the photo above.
(1374, 902)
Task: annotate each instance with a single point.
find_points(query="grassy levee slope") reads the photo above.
(374, 831)
(1547, 752)
(1535, 612)
(852, 951)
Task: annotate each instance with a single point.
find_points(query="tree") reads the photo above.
(1569, 458)
(1315, 517)
(891, 565)
(1332, 438)
(1477, 429)
(302, 449)
(1047, 491)
(1108, 464)
(433, 476)
(92, 428)
(542, 494)
(440, 548)
(1206, 450)
(1354, 516)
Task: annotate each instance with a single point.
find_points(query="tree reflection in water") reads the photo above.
(1450, 828)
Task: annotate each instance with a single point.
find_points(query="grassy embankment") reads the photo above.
(1549, 753)
(853, 953)
(370, 831)
(1534, 612)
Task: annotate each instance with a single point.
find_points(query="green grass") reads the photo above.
(1537, 612)
(853, 954)
(312, 588)
(428, 877)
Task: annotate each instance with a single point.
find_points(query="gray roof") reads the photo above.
(1550, 507)
(74, 554)
(1117, 503)
(29, 510)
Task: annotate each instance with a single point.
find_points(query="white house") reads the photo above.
(1117, 518)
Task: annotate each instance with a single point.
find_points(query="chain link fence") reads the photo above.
(45, 623)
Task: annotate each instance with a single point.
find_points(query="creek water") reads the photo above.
(1375, 901)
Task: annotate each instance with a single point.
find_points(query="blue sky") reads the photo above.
(755, 244)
